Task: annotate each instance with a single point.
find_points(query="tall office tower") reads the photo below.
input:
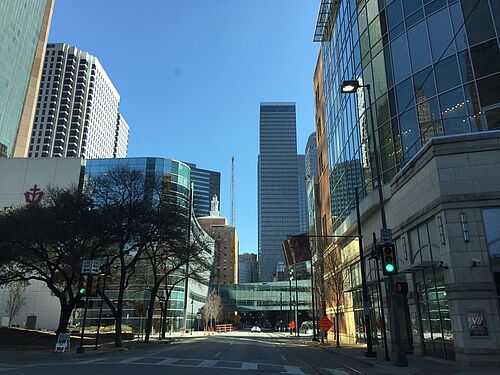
(247, 268)
(404, 82)
(121, 137)
(24, 29)
(278, 208)
(206, 185)
(225, 269)
(312, 191)
(437, 73)
(301, 184)
(77, 107)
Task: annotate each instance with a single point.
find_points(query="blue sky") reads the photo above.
(191, 75)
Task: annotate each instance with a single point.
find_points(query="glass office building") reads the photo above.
(206, 185)
(175, 174)
(23, 32)
(433, 68)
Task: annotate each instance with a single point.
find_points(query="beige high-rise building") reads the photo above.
(24, 30)
(225, 269)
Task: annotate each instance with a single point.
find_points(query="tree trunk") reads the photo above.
(149, 318)
(119, 309)
(337, 328)
(64, 316)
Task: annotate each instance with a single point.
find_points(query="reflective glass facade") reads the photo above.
(20, 25)
(433, 68)
(206, 185)
(176, 173)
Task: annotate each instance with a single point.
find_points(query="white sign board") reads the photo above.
(386, 235)
(63, 343)
(90, 266)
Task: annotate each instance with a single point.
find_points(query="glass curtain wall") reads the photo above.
(434, 70)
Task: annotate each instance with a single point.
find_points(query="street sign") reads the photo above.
(291, 325)
(325, 324)
(90, 267)
(386, 235)
(63, 343)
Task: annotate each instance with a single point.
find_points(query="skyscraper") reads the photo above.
(77, 110)
(247, 268)
(278, 208)
(206, 185)
(24, 29)
(301, 185)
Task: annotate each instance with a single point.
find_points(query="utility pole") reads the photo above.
(186, 282)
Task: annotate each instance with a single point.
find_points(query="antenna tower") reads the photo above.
(233, 183)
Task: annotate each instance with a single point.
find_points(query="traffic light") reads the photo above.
(82, 285)
(388, 253)
(95, 285)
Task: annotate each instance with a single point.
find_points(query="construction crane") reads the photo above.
(233, 185)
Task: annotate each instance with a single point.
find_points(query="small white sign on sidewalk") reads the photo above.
(63, 343)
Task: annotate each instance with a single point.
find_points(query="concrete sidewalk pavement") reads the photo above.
(416, 365)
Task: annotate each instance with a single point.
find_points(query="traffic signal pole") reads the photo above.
(88, 287)
(401, 359)
(366, 304)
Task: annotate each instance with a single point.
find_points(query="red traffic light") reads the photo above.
(401, 287)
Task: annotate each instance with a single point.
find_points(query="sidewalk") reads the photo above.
(416, 365)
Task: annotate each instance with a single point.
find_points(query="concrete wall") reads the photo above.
(450, 177)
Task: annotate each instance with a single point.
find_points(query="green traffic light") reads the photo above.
(82, 291)
(389, 267)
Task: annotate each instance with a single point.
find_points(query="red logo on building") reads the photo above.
(33, 195)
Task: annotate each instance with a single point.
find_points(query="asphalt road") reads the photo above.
(236, 353)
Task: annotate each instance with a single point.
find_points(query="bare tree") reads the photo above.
(213, 309)
(16, 299)
(334, 284)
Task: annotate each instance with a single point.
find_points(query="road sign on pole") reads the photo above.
(386, 235)
(325, 324)
(90, 267)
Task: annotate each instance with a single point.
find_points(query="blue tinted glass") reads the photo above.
(479, 24)
(465, 66)
(414, 18)
(411, 6)
(440, 34)
(400, 59)
(486, 58)
(432, 6)
(447, 75)
(457, 20)
(394, 13)
(453, 104)
(404, 95)
(419, 47)
(424, 84)
(409, 133)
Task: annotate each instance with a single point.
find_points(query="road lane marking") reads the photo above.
(336, 371)
(207, 363)
(294, 370)
(282, 356)
(218, 354)
(167, 361)
(130, 359)
(249, 366)
(91, 361)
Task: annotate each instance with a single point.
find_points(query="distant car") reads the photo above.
(255, 329)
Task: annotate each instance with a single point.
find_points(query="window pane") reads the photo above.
(411, 6)
(453, 110)
(465, 66)
(419, 47)
(486, 58)
(394, 13)
(440, 34)
(447, 75)
(404, 94)
(495, 7)
(489, 90)
(493, 119)
(479, 24)
(457, 21)
(473, 108)
(409, 134)
(428, 115)
(424, 84)
(400, 59)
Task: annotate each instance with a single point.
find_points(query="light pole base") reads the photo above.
(370, 354)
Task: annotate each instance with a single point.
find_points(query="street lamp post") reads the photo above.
(349, 87)
(290, 277)
(297, 301)
(186, 282)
